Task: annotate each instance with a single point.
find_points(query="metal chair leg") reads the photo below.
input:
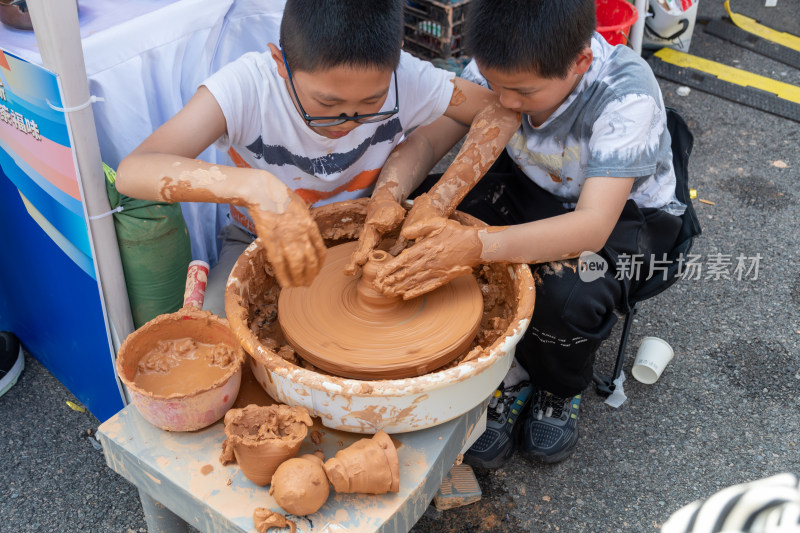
(605, 384)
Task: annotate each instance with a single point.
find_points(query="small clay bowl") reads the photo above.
(182, 412)
(259, 456)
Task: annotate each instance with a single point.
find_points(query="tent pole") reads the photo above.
(57, 30)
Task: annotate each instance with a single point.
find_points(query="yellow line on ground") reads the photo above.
(737, 76)
(751, 26)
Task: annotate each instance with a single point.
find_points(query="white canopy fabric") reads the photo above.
(146, 59)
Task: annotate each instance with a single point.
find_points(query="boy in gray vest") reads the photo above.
(589, 173)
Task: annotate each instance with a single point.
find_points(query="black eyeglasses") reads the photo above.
(341, 119)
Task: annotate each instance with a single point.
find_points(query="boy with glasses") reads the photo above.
(314, 120)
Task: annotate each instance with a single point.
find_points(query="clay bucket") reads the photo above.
(183, 412)
(257, 455)
(368, 466)
(362, 406)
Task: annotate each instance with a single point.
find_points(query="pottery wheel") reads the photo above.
(341, 325)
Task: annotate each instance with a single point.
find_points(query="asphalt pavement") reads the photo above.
(725, 411)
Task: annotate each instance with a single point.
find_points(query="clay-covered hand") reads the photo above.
(425, 217)
(294, 245)
(450, 250)
(384, 214)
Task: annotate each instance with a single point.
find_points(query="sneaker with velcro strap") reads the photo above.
(496, 445)
(550, 432)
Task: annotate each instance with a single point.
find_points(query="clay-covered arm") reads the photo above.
(450, 249)
(172, 178)
(491, 126)
(406, 167)
(491, 130)
(411, 161)
(162, 168)
(265, 519)
(473, 110)
(586, 228)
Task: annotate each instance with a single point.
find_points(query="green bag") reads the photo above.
(155, 250)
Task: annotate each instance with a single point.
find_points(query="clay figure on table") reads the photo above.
(590, 169)
(300, 485)
(315, 119)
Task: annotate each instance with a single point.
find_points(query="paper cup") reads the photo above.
(651, 360)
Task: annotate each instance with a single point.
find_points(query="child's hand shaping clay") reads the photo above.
(294, 246)
(426, 215)
(448, 251)
(384, 214)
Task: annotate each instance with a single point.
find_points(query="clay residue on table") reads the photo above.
(264, 519)
(261, 438)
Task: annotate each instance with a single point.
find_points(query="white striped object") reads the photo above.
(770, 505)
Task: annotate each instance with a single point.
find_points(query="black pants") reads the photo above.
(571, 317)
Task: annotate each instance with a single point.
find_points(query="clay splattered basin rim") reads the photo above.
(521, 279)
(174, 318)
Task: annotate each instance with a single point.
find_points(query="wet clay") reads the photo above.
(369, 466)
(254, 295)
(261, 438)
(281, 217)
(451, 251)
(344, 326)
(251, 306)
(265, 519)
(182, 366)
(384, 214)
(179, 353)
(300, 485)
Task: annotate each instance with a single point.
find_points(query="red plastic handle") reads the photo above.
(196, 280)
